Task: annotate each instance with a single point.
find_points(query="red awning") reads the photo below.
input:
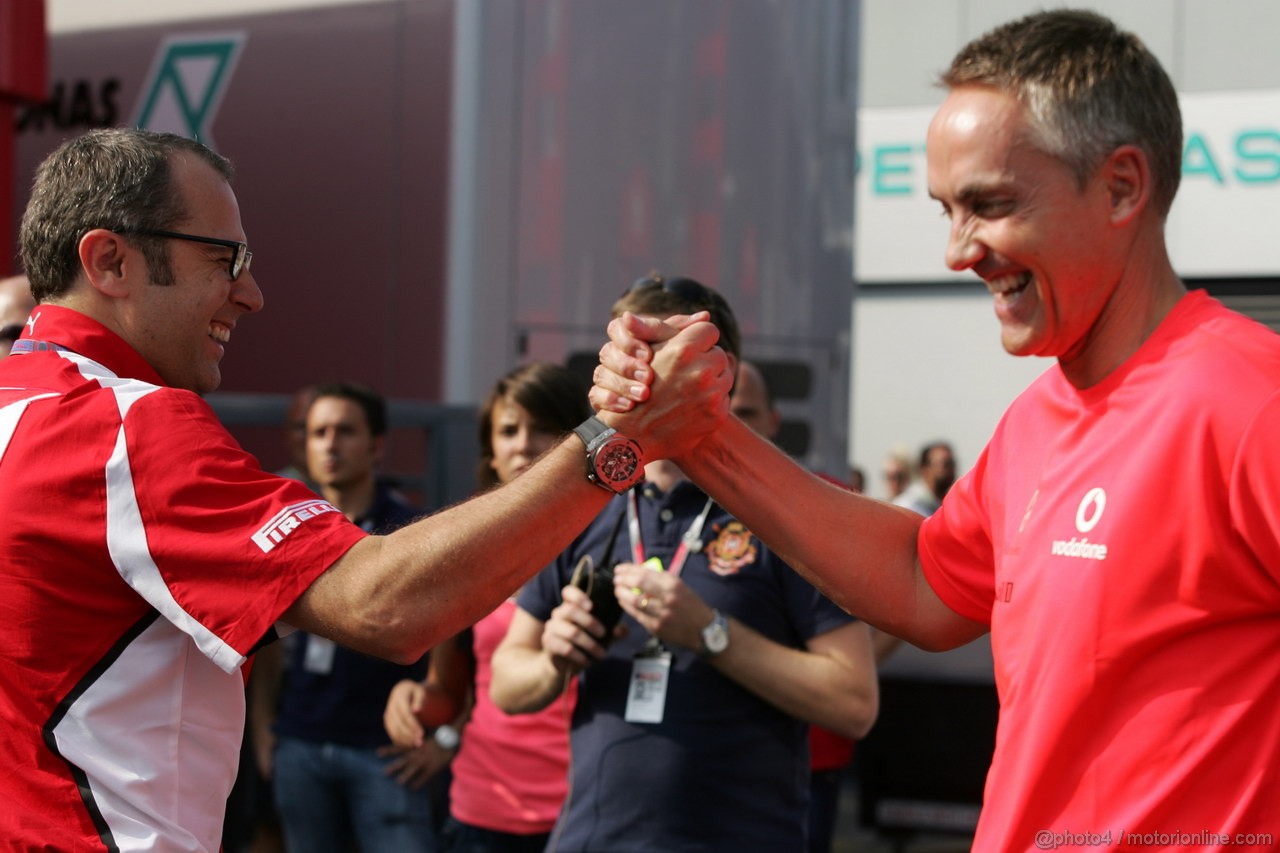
(24, 58)
(23, 50)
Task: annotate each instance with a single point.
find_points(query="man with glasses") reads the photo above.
(16, 303)
(147, 555)
(690, 729)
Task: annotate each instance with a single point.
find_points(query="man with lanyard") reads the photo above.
(337, 779)
(689, 732)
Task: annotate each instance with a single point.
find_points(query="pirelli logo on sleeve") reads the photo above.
(287, 520)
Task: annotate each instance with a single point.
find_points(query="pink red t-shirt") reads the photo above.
(144, 555)
(511, 772)
(1123, 543)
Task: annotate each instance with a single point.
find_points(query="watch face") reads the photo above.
(618, 462)
(447, 737)
(716, 639)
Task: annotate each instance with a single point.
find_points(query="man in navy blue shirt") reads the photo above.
(689, 731)
(337, 783)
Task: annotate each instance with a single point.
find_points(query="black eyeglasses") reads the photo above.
(240, 261)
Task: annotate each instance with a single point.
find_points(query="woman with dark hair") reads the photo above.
(546, 398)
(509, 773)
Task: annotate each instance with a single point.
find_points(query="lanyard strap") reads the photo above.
(691, 541)
(31, 345)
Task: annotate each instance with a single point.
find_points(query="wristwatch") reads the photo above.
(447, 738)
(715, 637)
(614, 462)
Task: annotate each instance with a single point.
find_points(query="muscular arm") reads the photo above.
(396, 596)
(861, 553)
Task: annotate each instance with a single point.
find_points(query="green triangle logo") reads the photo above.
(185, 85)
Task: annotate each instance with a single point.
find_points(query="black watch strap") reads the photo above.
(590, 430)
(614, 461)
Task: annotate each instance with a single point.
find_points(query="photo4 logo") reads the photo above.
(185, 85)
(1088, 514)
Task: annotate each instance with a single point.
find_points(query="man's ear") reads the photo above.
(1126, 174)
(106, 261)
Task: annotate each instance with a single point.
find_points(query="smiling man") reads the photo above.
(147, 555)
(1120, 535)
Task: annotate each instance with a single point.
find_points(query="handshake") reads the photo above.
(664, 382)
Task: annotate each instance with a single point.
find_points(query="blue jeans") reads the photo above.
(465, 838)
(338, 798)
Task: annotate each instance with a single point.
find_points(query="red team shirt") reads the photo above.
(1122, 543)
(144, 554)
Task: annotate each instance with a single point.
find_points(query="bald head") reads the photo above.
(15, 306)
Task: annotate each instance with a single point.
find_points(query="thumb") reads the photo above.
(684, 321)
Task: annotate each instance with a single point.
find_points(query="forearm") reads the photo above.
(884, 645)
(396, 596)
(263, 701)
(837, 693)
(525, 680)
(861, 553)
(448, 690)
(439, 708)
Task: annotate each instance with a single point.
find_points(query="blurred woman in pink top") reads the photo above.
(509, 772)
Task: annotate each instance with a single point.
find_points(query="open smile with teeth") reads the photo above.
(219, 333)
(1009, 287)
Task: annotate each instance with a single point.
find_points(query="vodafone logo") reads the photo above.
(1088, 514)
(1090, 511)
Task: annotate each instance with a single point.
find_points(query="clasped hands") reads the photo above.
(665, 383)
